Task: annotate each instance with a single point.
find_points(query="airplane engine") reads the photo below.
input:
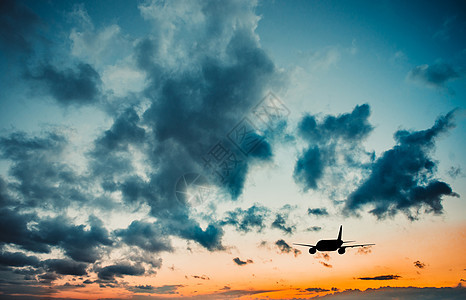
(341, 251)
(312, 250)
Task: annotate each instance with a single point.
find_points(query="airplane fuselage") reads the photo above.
(328, 245)
(332, 245)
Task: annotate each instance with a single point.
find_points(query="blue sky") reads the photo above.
(110, 109)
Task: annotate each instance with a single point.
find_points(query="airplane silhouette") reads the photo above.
(332, 245)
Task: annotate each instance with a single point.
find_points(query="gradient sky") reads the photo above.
(178, 149)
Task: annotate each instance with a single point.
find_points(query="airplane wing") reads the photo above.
(362, 245)
(304, 245)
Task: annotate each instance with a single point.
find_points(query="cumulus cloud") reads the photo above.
(329, 139)
(402, 178)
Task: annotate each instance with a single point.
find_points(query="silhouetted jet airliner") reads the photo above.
(332, 245)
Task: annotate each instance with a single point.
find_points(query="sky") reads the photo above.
(179, 149)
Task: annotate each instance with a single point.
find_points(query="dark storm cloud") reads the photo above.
(349, 127)
(285, 248)
(247, 220)
(66, 267)
(124, 131)
(402, 178)
(323, 139)
(434, 75)
(109, 272)
(147, 236)
(42, 176)
(111, 160)
(381, 277)
(79, 85)
(18, 26)
(419, 264)
(48, 277)
(317, 211)
(14, 230)
(78, 243)
(309, 168)
(240, 262)
(210, 238)
(18, 259)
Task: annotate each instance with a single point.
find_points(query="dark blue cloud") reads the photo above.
(14, 230)
(326, 139)
(78, 243)
(79, 85)
(283, 247)
(18, 27)
(309, 168)
(434, 75)
(402, 178)
(240, 262)
(280, 222)
(109, 272)
(42, 177)
(18, 259)
(66, 267)
(147, 236)
(317, 211)
(247, 220)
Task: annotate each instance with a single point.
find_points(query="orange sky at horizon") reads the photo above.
(444, 267)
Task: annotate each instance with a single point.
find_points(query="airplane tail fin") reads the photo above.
(339, 233)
